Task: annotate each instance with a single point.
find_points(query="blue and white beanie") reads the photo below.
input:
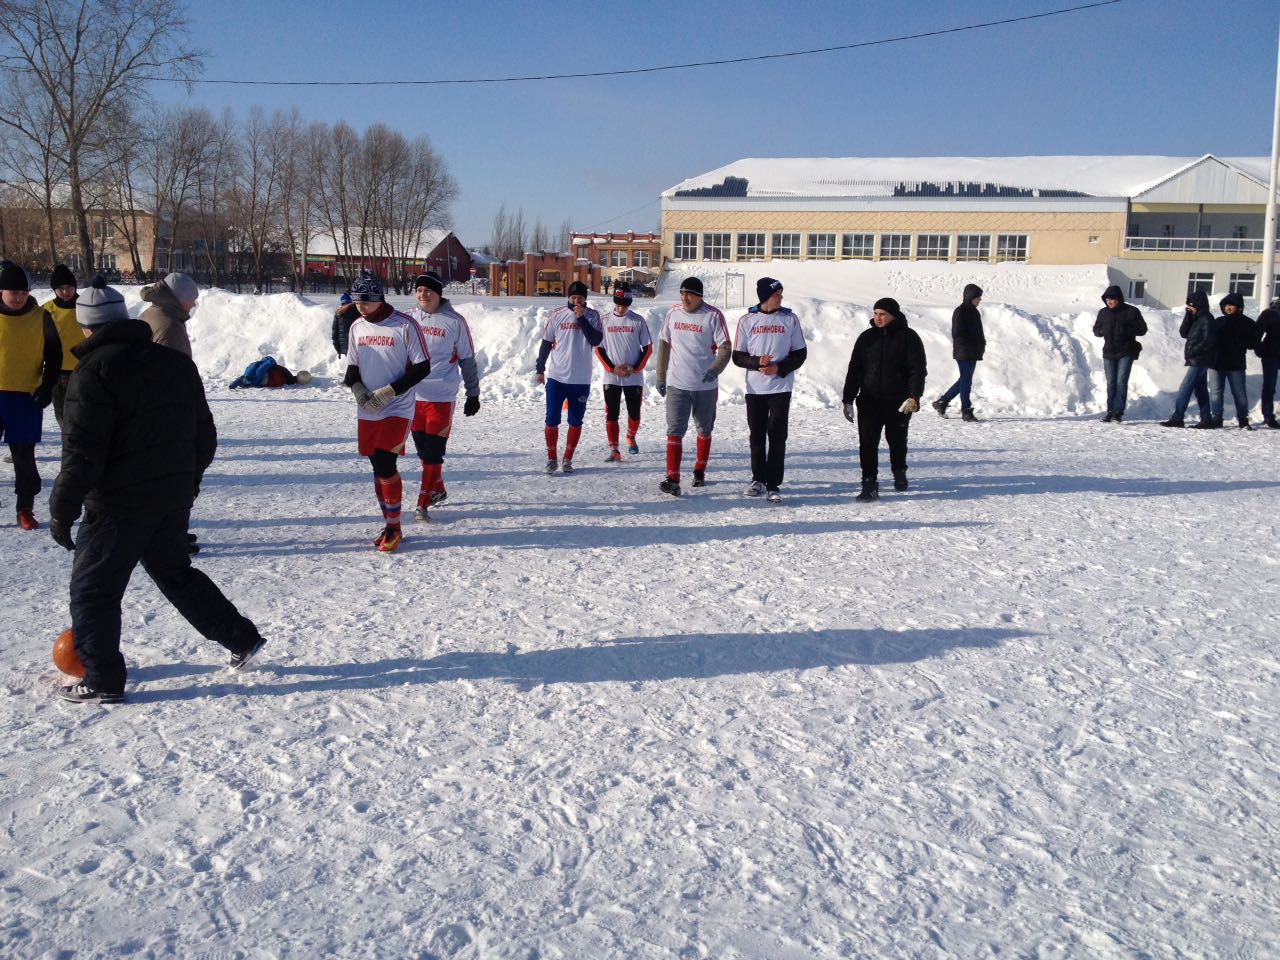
(367, 289)
(99, 304)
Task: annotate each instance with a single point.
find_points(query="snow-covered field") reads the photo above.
(1028, 708)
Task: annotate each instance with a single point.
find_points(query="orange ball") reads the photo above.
(65, 657)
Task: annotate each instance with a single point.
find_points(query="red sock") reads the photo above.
(704, 453)
(611, 432)
(633, 427)
(675, 450)
(571, 441)
(377, 492)
(425, 491)
(553, 440)
(392, 491)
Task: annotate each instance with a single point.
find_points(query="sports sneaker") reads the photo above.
(774, 496)
(566, 467)
(439, 497)
(550, 468)
(671, 486)
(83, 693)
(239, 661)
(754, 489)
(613, 457)
(388, 540)
(27, 520)
(870, 491)
(631, 445)
(699, 478)
(420, 515)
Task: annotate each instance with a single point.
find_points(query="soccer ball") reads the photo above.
(65, 658)
(304, 376)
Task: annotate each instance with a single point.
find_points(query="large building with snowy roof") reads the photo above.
(1162, 225)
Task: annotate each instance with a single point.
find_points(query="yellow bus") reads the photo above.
(550, 284)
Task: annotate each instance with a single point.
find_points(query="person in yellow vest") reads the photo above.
(63, 310)
(30, 360)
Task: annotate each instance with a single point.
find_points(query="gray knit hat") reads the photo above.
(100, 304)
(182, 286)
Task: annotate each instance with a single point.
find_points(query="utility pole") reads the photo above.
(1267, 285)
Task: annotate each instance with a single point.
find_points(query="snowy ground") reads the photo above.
(1027, 709)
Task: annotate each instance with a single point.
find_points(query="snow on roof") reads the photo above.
(877, 176)
(323, 245)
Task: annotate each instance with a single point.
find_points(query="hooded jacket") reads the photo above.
(1200, 330)
(343, 318)
(968, 342)
(166, 318)
(887, 364)
(1269, 334)
(1237, 334)
(1119, 328)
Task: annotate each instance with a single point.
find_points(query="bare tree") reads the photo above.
(215, 183)
(538, 239)
(297, 190)
(510, 238)
(564, 240)
(32, 156)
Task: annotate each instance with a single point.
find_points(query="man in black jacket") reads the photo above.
(1268, 351)
(968, 343)
(886, 378)
(1119, 324)
(1200, 329)
(1237, 334)
(137, 438)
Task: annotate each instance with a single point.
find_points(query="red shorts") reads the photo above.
(433, 416)
(386, 434)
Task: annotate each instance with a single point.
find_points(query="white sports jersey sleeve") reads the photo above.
(384, 351)
(694, 339)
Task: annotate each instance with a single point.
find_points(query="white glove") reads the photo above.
(379, 398)
(360, 392)
(849, 413)
(910, 405)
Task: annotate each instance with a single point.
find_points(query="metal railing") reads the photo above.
(1194, 244)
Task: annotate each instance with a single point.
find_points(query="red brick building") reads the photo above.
(542, 274)
(630, 256)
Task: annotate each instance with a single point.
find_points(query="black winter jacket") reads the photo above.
(1237, 334)
(887, 364)
(137, 432)
(1200, 330)
(343, 318)
(1119, 328)
(1269, 334)
(968, 342)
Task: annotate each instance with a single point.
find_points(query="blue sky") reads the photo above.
(1177, 77)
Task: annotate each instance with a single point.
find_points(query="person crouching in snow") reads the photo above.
(564, 365)
(386, 359)
(623, 353)
(446, 334)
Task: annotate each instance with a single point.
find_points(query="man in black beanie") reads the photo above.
(63, 310)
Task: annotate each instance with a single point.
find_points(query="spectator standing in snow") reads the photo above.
(564, 365)
(968, 344)
(446, 335)
(769, 344)
(1237, 334)
(138, 437)
(1199, 329)
(343, 317)
(693, 350)
(623, 353)
(886, 379)
(30, 361)
(172, 300)
(1119, 324)
(1268, 351)
(386, 359)
(63, 310)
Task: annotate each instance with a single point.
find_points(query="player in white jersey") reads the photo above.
(693, 350)
(386, 359)
(448, 340)
(770, 346)
(564, 365)
(623, 353)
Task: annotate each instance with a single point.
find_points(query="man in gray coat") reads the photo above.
(172, 300)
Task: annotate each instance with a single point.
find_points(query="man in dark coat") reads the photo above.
(137, 439)
(886, 379)
(1119, 324)
(968, 344)
(1237, 334)
(1200, 330)
(343, 318)
(1268, 351)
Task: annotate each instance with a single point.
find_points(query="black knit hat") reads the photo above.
(62, 277)
(578, 289)
(691, 285)
(889, 305)
(766, 287)
(431, 280)
(622, 295)
(367, 289)
(13, 277)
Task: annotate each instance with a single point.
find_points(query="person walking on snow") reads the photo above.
(623, 353)
(172, 300)
(386, 359)
(886, 378)
(770, 346)
(693, 350)
(137, 439)
(1237, 334)
(446, 334)
(564, 365)
(63, 310)
(1119, 324)
(30, 361)
(968, 344)
(1268, 351)
(1200, 329)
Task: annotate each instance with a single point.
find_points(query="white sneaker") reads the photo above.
(420, 515)
(774, 496)
(754, 489)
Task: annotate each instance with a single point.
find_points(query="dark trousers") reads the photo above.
(767, 415)
(876, 417)
(1269, 367)
(26, 478)
(107, 550)
(613, 395)
(963, 385)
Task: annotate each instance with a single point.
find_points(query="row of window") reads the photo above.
(969, 247)
(106, 261)
(1242, 283)
(618, 258)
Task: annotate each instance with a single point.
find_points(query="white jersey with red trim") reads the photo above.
(774, 334)
(448, 340)
(570, 359)
(694, 339)
(625, 338)
(384, 351)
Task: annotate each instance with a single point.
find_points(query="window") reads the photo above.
(106, 261)
(715, 246)
(75, 263)
(1137, 290)
(933, 246)
(751, 246)
(973, 247)
(1200, 282)
(895, 246)
(640, 258)
(858, 246)
(786, 246)
(822, 246)
(1239, 232)
(1242, 283)
(68, 228)
(1167, 229)
(1095, 239)
(617, 258)
(103, 230)
(1011, 246)
(685, 246)
(604, 258)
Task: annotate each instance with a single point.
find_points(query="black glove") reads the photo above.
(471, 407)
(43, 396)
(60, 530)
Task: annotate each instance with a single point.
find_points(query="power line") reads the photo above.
(639, 70)
(602, 223)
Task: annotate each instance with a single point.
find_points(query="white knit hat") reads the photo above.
(100, 304)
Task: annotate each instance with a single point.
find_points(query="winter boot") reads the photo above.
(1206, 423)
(900, 480)
(670, 486)
(940, 407)
(966, 414)
(699, 478)
(27, 520)
(1174, 421)
(870, 491)
(1244, 424)
(1109, 417)
(1117, 417)
(1272, 422)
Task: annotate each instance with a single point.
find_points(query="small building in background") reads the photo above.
(541, 274)
(632, 258)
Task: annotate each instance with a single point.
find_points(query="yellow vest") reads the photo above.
(69, 332)
(22, 349)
